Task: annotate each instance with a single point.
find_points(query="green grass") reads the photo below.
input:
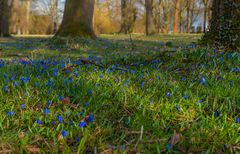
(138, 91)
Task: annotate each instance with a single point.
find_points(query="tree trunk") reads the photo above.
(128, 16)
(157, 19)
(14, 16)
(150, 28)
(188, 16)
(224, 30)
(27, 16)
(56, 19)
(4, 18)
(166, 15)
(123, 17)
(205, 3)
(77, 19)
(176, 16)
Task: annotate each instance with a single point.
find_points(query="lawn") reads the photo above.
(118, 94)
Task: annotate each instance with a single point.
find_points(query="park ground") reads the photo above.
(118, 94)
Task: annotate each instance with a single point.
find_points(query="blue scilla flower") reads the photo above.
(90, 118)
(5, 88)
(168, 94)
(238, 120)
(65, 81)
(236, 70)
(216, 113)
(177, 107)
(221, 60)
(77, 139)
(55, 73)
(25, 79)
(142, 84)
(185, 96)
(46, 111)
(10, 113)
(64, 133)
(60, 119)
(15, 84)
(76, 74)
(86, 104)
(61, 97)
(49, 103)
(231, 83)
(70, 80)
(82, 124)
(50, 83)
(203, 81)
(90, 91)
(23, 106)
(39, 122)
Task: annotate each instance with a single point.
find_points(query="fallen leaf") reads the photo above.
(107, 151)
(66, 100)
(175, 138)
(33, 149)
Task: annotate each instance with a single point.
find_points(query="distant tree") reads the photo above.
(224, 30)
(25, 16)
(150, 27)
(167, 13)
(14, 16)
(157, 15)
(4, 18)
(128, 16)
(176, 16)
(77, 19)
(206, 4)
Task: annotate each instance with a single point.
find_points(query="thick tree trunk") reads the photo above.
(77, 19)
(123, 17)
(4, 18)
(176, 16)
(14, 16)
(150, 28)
(224, 30)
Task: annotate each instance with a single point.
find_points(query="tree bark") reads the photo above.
(224, 30)
(205, 3)
(14, 16)
(176, 16)
(77, 19)
(4, 18)
(128, 16)
(188, 16)
(150, 28)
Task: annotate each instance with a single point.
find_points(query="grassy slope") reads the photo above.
(193, 92)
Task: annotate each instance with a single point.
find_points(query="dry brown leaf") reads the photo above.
(66, 100)
(33, 149)
(175, 138)
(107, 151)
